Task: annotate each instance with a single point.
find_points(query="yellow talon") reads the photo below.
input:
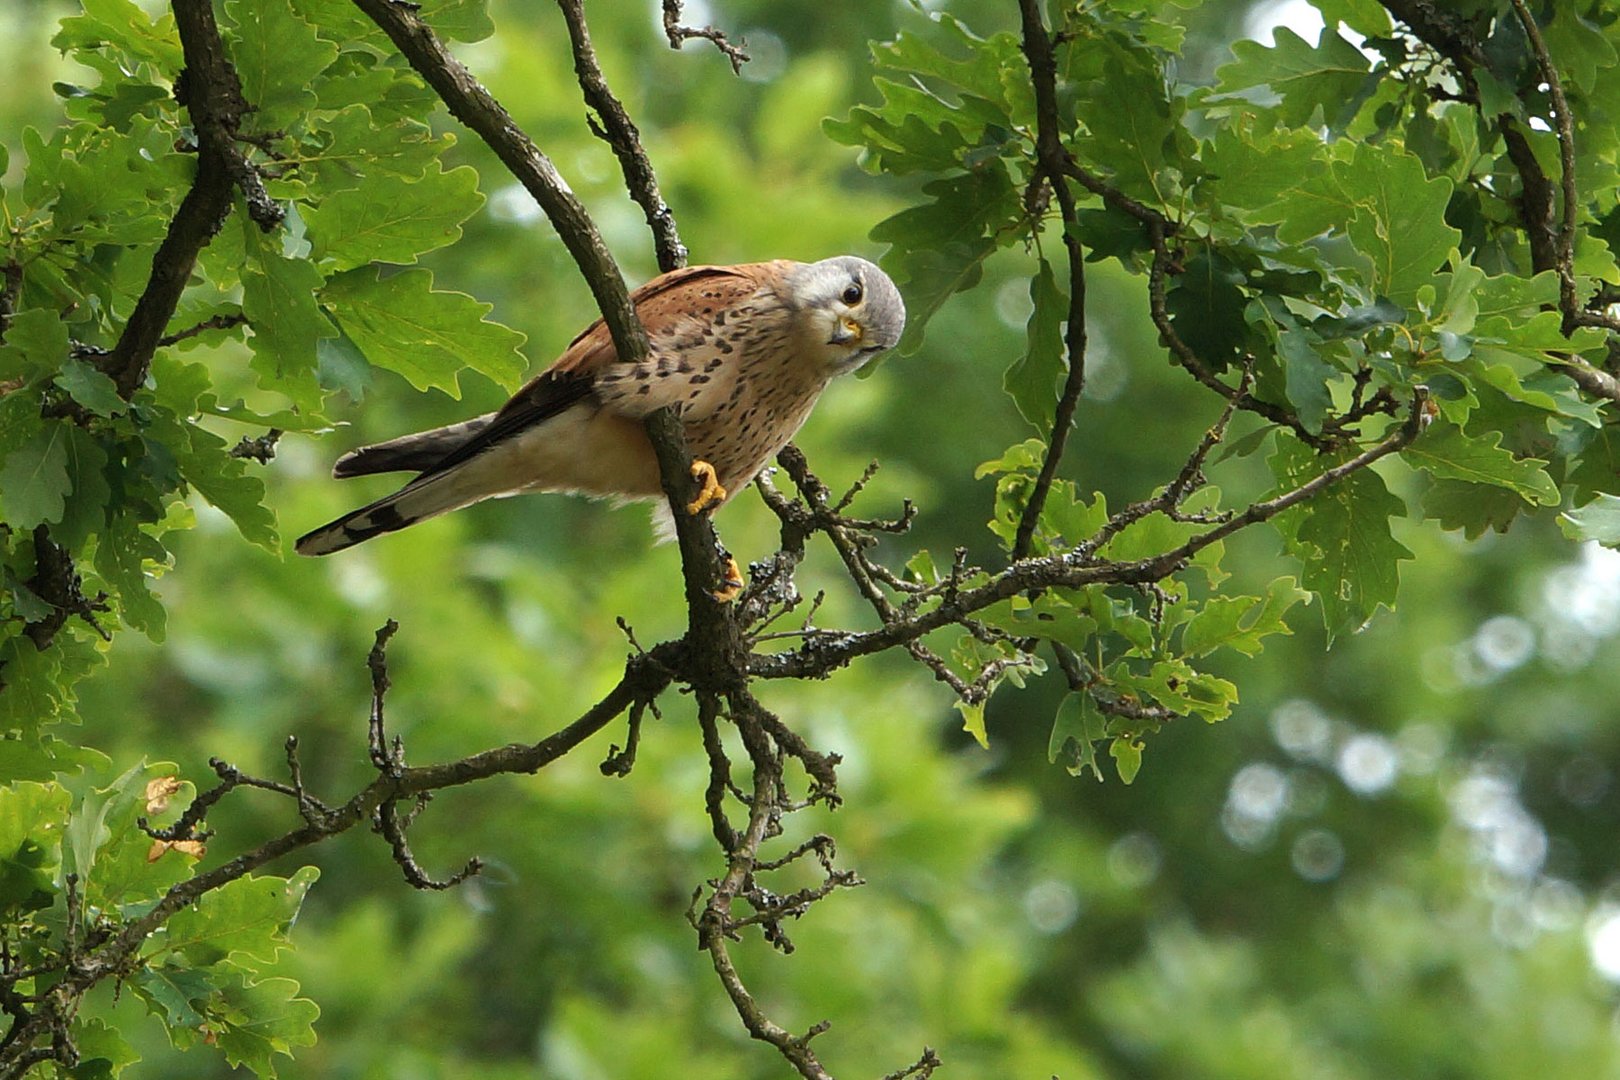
(732, 586)
(711, 492)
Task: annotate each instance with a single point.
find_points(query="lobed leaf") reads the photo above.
(1241, 623)
(1597, 521)
(260, 1020)
(1350, 559)
(403, 324)
(1032, 380)
(34, 480)
(243, 922)
(1446, 451)
(391, 219)
(1325, 77)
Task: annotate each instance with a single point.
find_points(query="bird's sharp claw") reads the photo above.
(732, 586)
(711, 492)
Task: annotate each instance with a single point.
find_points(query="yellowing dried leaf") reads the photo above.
(158, 793)
(195, 848)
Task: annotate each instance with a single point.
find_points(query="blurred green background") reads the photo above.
(1397, 859)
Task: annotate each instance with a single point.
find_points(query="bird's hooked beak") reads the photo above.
(847, 332)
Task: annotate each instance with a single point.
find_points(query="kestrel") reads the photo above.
(742, 352)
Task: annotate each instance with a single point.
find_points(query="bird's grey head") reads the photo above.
(854, 311)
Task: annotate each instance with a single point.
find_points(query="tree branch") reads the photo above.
(212, 93)
(825, 652)
(644, 678)
(1053, 158)
(1563, 123)
(620, 133)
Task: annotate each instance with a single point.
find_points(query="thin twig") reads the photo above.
(679, 35)
(620, 133)
(216, 322)
(387, 822)
(715, 925)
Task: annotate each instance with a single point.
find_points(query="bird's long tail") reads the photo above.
(409, 453)
(423, 498)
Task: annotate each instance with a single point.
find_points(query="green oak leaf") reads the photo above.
(1598, 520)
(1050, 616)
(1241, 623)
(87, 829)
(1327, 76)
(1026, 456)
(459, 20)
(1127, 755)
(1358, 320)
(123, 23)
(31, 817)
(1365, 17)
(1076, 730)
(912, 131)
(939, 248)
(1307, 377)
(47, 757)
(394, 220)
(258, 1020)
(1178, 687)
(244, 921)
(90, 388)
(1446, 451)
(19, 422)
(172, 993)
(979, 71)
(206, 464)
(121, 561)
(1068, 515)
(24, 601)
(1247, 172)
(32, 696)
(36, 341)
(1578, 46)
(355, 145)
(1400, 220)
(84, 510)
(1032, 380)
(1342, 538)
(278, 56)
(34, 480)
(1132, 124)
(1207, 306)
(278, 298)
(1157, 533)
(973, 720)
(403, 324)
(103, 1052)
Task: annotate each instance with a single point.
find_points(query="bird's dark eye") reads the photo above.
(852, 293)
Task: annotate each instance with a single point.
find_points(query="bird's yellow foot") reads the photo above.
(711, 492)
(732, 586)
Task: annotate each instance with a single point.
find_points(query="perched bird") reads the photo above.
(742, 352)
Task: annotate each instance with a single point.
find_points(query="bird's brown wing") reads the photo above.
(693, 291)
